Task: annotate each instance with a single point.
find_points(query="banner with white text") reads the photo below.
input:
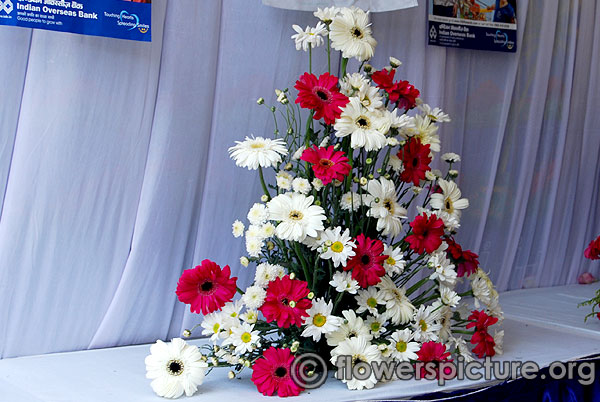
(473, 24)
(124, 19)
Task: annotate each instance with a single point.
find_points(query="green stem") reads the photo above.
(328, 55)
(309, 58)
(344, 65)
(262, 182)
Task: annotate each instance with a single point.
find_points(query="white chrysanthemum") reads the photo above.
(361, 351)
(499, 341)
(267, 230)
(449, 297)
(237, 228)
(463, 349)
(376, 325)
(310, 37)
(450, 221)
(258, 214)
(384, 207)
(257, 151)
(213, 325)
(343, 282)
(401, 346)
(244, 338)
(339, 246)
(445, 322)
(368, 300)
(396, 164)
(353, 83)
(317, 184)
(266, 273)
(301, 185)
(326, 14)
(352, 326)
(353, 201)
(284, 180)
(425, 324)
(297, 216)
(350, 33)
(175, 368)
(451, 157)
(250, 316)
(395, 263)
(435, 114)
(365, 128)
(254, 246)
(449, 200)
(254, 297)
(425, 130)
(319, 320)
(398, 308)
(254, 232)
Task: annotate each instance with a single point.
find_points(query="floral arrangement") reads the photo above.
(352, 242)
(592, 252)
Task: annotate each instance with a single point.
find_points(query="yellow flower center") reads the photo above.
(296, 215)
(372, 302)
(387, 204)
(257, 145)
(423, 325)
(337, 247)
(390, 261)
(246, 337)
(401, 346)
(216, 327)
(319, 320)
(375, 326)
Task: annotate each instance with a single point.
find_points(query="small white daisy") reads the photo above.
(384, 206)
(449, 297)
(353, 201)
(398, 308)
(401, 346)
(376, 325)
(360, 350)
(284, 180)
(451, 157)
(435, 114)
(395, 263)
(320, 321)
(368, 300)
(212, 325)
(265, 273)
(326, 14)
(311, 37)
(339, 246)
(244, 338)
(352, 326)
(237, 228)
(425, 324)
(425, 130)
(449, 200)
(250, 316)
(353, 83)
(343, 282)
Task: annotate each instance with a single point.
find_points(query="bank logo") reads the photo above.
(501, 37)
(129, 19)
(432, 33)
(6, 6)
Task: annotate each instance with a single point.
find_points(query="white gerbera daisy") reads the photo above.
(401, 346)
(284, 180)
(326, 14)
(395, 263)
(353, 83)
(175, 368)
(352, 326)
(257, 151)
(365, 128)
(361, 351)
(320, 321)
(384, 206)
(350, 33)
(237, 228)
(368, 300)
(244, 338)
(371, 99)
(425, 324)
(297, 216)
(258, 214)
(398, 308)
(310, 37)
(376, 325)
(301, 185)
(449, 200)
(254, 297)
(425, 130)
(343, 282)
(339, 246)
(435, 114)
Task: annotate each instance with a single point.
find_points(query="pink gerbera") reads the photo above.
(432, 352)
(415, 160)
(286, 302)
(367, 264)
(271, 373)
(206, 288)
(427, 233)
(593, 249)
(327, 163)
(321, 95)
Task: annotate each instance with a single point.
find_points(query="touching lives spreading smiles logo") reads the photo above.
(132, 21)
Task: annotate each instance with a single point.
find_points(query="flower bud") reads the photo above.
(311, 295)
(317, 202)
(368, 161)
(363, 181)
(380, 171)
(244, 261)
(394, 62)
(387, 176)
(288, 166)
(260, 101)
(453, 173)
(231, 375)
(270, 245)
(292, 275)
(290, 130)
(355, 179)
(367, 68)
(292, 304)
(371, 176)
(247, 363)
(187, 333)
(264, 198)
(273, 109)
(376, 200)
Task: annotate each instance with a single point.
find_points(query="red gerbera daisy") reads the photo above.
(286, 302)
(206, 287)
(481, 321)
(467, 262)
(327, 163)
(415, 159)
(367, 264)
(432, 352)
(593, 250)
(402, 92)
(384, 79)
(427, 233)
(321, 95)
(271, 373)
(485, 344)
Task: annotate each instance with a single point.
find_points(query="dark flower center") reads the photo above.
(206, 286)
(280, 372)
(175, 367)
(448, 204)
(415, 162)
(357, 33)
(365, 259)
(322, 95)
(284, 301)
(387, 204)
(326, 163)
(362, 122)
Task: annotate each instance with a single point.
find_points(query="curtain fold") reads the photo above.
(114, 172)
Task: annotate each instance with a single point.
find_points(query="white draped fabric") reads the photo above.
(114, 173)
(371, 5)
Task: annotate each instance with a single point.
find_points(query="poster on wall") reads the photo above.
(473, 24)
(124, 19)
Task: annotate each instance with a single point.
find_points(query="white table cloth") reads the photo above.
(542, 325)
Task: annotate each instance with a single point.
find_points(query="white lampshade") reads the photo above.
(371, 5)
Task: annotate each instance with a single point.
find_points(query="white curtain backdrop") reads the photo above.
(371, 5)
(114, 173)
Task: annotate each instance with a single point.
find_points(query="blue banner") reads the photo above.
(473, 24)
(113, 18)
